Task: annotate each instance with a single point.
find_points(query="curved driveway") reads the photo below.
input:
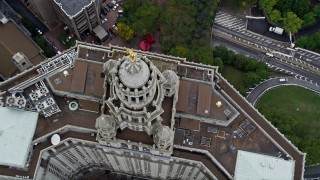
(274, 82)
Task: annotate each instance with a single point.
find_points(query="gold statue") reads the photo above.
(133, 55)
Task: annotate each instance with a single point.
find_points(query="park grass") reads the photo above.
(300, 106)
(235, 77)
(294, 100)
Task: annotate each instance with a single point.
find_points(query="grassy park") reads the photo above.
(295, 111)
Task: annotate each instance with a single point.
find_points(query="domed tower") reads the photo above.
(163, 137)
(136, 93)
(172, 82)
(106, 127)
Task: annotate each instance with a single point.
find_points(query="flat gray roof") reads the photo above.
(16, 133)
(72, 7)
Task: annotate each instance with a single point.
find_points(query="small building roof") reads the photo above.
(258, 166)
(73, 7)
(100, 32)
(16, 133)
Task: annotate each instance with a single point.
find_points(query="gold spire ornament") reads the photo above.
(133, 55)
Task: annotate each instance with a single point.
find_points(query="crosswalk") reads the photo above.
(313, 58)
(239, 25)
(297, 76)
(230, 22)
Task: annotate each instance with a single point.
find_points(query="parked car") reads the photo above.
(115, 7)
(110, 5)
(104, 11)
(104, 20)
(276, 30)
(39, 31)
(107, 9)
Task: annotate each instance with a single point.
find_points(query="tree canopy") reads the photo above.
(124, 31)
(267, 5)
(283, 11)
(292, 23)
(311, 42)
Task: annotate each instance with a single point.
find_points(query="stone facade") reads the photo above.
(136, 95)
(73, 158)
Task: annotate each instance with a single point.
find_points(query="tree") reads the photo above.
(180, 51)
(275, 15)
(311, 42)
(146, 17)
(251, 78)
(301, 7)
(267, 5)
(125, 31)
(40, 42)
(316, 10)
(292, 23)
(218, 62)
(251, 65)
(309, 19)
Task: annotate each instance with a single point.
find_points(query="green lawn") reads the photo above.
(295, 111)
(298, 101)
(235, 77)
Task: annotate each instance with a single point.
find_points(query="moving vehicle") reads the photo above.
(269, 54)
(282, 80)
(276, 30)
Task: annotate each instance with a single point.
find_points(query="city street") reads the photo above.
(24, 12)
(274, 63)
(236, 26)
(231, 32)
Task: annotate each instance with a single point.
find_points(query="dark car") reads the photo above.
(110, 5)
(104, 11)
(107, 9)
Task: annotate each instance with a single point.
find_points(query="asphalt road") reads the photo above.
(262, 26)
(275, 63)
(237, 26)
(25, 13)
(270, 83)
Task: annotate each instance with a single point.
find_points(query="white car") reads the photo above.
(104, 20)
(115, 7)
(39, 31)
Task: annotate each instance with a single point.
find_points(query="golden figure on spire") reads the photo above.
(133, 55)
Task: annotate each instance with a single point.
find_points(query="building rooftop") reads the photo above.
(205, 130)
(86, 78)
(16, 133)
(10, 34)
(72, 7)
(258, 166)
